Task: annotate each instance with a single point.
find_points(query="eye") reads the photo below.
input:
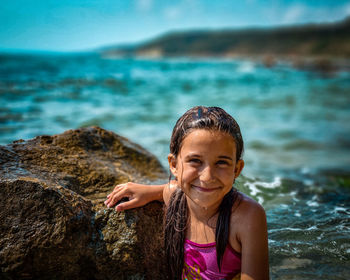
(223, 163)
(194, 161)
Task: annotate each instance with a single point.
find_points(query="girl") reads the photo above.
(212, 231)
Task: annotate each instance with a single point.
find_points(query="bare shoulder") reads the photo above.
(249, 235)
(246, 207)
(168, 191)
(247, 216)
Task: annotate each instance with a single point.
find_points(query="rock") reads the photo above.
(327, 67)
(53, 223)
(269, 61)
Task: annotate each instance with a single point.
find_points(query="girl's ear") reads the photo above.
(172, 164)
(239, 167)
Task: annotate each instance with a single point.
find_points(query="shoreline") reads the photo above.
(317, 63)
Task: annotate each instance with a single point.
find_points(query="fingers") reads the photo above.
(137, 194)
(127, 205)
(119, 192)
(116, 189)
(115, 198)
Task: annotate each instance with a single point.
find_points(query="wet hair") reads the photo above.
(210, 118)
(176, 216)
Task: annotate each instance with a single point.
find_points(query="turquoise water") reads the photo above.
(296, 127)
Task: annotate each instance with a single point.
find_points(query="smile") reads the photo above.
(205, 189)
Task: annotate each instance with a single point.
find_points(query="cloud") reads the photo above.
(182, 9)
(144, 5)
(294, 14)
(347, 9)
(330, 13)
(173, 12)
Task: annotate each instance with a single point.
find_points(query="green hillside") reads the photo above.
(331, 39)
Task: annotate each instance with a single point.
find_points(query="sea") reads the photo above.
(295, 125)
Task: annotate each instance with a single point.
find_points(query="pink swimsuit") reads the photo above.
(200, 262)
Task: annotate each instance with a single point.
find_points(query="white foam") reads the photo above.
(305, 170)
(297, 229)
(312, 203)
(246, 67)
(253, 186)
(308, 182)
(340, 209)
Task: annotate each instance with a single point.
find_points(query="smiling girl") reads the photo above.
(212, 231)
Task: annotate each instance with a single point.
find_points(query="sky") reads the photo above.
(74, 25)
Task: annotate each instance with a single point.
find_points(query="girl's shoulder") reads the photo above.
(247, 214)
(168, 191)
(246, 205)
(248, 236)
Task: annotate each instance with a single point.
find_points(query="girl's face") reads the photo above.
(206, 166)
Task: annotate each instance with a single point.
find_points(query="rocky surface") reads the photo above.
(53, 223)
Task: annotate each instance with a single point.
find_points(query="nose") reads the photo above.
(207, 174)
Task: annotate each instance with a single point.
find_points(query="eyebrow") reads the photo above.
(192, 155)
(226, 157)
(196, 155)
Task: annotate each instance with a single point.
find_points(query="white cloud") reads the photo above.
(144, 5)
(294, 14)
(182, 9)
(173, 12)
(347, 9)
(328, 14)
(299, 13)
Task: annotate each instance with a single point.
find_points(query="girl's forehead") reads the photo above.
(206, 136)
(208, 133)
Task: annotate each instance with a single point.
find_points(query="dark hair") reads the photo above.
(211, 118)
(176, 217)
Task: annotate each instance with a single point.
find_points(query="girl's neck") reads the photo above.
(202, 223)
(201, 214)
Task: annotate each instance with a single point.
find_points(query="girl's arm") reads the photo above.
(138, 195)
(252, 234)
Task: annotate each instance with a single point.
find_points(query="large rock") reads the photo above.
(53, 223)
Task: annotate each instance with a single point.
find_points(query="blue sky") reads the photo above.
(71, 25)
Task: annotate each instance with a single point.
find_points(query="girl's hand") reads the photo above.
(138, 195)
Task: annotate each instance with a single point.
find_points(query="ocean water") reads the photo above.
(295, 124)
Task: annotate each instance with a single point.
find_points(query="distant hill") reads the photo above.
(312, 40)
